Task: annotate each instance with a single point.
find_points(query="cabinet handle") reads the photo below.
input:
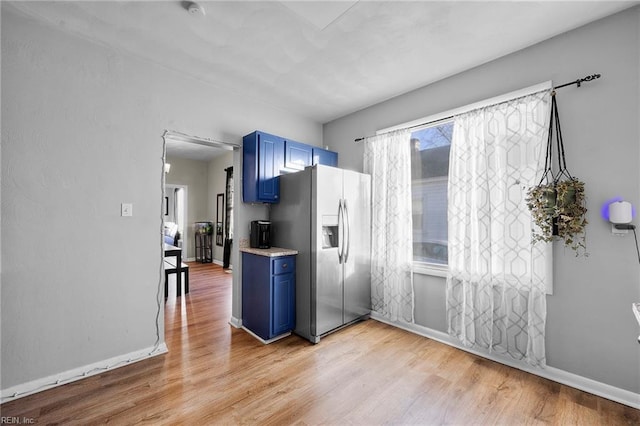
(284, 266)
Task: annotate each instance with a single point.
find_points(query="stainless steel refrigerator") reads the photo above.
(325, 213)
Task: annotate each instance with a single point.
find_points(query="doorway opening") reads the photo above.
(198, 195)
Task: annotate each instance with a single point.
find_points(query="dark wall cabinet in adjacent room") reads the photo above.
(265, 157)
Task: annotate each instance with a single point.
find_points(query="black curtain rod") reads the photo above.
(578, 82)
(410, 127)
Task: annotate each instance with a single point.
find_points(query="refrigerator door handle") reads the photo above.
(340, 232)
(346, 222)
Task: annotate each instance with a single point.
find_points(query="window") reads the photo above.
(429, 170)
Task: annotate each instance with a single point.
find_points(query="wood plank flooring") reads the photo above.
(366, 374)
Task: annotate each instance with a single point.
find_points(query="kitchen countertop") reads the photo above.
(270, 252)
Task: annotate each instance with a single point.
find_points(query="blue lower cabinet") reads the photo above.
(268, 294)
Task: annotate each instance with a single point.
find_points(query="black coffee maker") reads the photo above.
(260, 234)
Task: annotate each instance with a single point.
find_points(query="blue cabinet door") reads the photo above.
(323, 156)
(270, 152)
(262, 160)
(283, 312)
(297, 155)
(256, 294)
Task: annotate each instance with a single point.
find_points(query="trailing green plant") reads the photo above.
(559, 211)
(541, 201)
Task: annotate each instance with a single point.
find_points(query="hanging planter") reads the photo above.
(557, 203)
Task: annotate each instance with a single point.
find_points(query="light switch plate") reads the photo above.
(126, 209)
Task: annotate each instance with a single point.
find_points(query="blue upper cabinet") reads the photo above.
(262, 160)
(265, 157)
(322, 156)
(297, 155)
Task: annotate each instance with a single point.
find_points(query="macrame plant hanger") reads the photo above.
(549, 176)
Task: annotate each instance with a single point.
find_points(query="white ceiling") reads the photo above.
(320, 59)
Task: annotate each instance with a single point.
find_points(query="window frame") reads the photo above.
(420, 266)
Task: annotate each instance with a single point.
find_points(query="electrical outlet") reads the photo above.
(126, 209)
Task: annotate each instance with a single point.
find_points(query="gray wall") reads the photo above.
(591, 330)
(82, 132)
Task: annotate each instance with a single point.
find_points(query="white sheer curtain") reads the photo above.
(496, 281)
(387, 158)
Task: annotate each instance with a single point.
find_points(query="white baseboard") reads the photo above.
(235, 322)
(69, 376)
(555, 374)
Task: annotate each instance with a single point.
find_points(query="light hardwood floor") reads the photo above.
(367, 374)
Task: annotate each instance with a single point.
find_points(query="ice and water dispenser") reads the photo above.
(329, 231)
